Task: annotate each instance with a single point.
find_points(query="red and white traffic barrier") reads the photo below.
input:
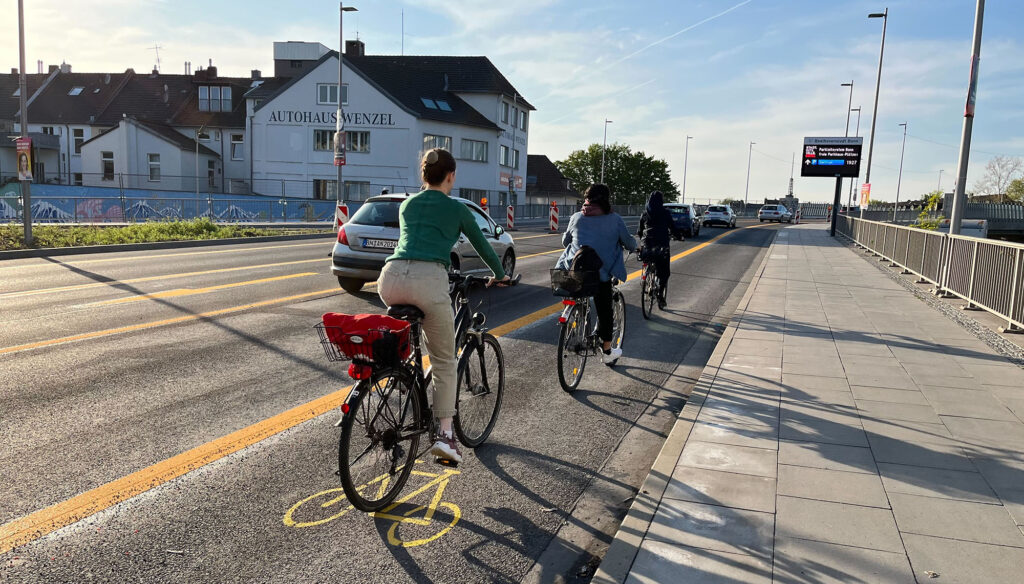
(798, 212)
(483, 205)
(510, 218)
(340, 216)
(553, 224)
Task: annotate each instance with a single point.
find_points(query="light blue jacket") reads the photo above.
(607, 234)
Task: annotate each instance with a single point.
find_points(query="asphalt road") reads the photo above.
(168, 417)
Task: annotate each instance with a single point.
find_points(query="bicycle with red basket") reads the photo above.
(387, 410)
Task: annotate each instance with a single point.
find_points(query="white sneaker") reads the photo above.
(611, 357)
(446, 447)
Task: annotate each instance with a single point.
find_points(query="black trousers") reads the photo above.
(663, 269)
(605, 316)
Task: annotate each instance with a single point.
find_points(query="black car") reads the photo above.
(686, 218)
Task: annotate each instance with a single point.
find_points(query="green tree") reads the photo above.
(631, 176)
(729, 201)
(931, 204)
(1015, 192)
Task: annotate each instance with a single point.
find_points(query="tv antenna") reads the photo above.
(157, 49)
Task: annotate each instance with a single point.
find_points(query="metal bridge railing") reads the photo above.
(988, 274)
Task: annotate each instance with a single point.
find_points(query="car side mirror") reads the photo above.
(498, 230)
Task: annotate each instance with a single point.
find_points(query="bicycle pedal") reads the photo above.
(446, 462)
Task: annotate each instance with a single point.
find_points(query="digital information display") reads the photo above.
(831, 157)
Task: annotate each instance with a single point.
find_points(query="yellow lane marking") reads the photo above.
(536, 236)
(193, 291)
(533, 255)
(45, 521)
(158, 256)
(158, 323)
(150, 279)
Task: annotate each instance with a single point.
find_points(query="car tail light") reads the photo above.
(359, 371)
(342, 238)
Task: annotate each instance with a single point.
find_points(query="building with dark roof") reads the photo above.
(545, 183)
(395, 108)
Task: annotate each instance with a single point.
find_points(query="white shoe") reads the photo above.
(446, 447)
(611, 357)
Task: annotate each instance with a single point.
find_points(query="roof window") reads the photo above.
(17, 93)
(443, 105)
(429, 103)
(77, 90)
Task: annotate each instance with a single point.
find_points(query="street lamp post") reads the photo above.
(899, 178)
(686, 156)
(849, 202)
(26, 188)
(339, 125)
(604, 146)
(939, 188)
(746, 191)
(965, 139)
(849, 105)
(878, 82)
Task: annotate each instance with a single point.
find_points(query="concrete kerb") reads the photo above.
(618, 560)
(86, 249)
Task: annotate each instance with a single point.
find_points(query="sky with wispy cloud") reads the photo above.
(726, 72)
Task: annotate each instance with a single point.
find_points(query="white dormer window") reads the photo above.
(77, 90)
(17, 93)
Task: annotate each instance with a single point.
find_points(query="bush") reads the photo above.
(12, 236)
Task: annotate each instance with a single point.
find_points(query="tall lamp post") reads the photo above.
(26, 189)
(965, 138)
(604, 146)
(339, 125)
(878, 82)
(899, 178)
(849, 201)
(849, 105)
(746, 191)
(686, 156)
(939, 188)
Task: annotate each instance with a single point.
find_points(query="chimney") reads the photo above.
(53, 68)
(14, 70)
(39, 65)
(255, 74)
(355, 48)
(211, 72)
(65, 67)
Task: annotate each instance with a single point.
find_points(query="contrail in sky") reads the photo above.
(677, 33)
(612, 96)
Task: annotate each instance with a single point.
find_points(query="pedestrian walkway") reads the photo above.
(843, 431)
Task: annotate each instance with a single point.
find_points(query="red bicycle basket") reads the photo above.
(366, 339)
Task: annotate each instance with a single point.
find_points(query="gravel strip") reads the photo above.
(1008, 349)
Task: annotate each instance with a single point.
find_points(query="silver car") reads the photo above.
(371, 235)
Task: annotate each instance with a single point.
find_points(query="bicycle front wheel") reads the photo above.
(619, 318)
(481, 385)
(572, 349)
(379, 440)
(649, 291)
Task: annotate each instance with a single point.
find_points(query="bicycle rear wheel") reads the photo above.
(572, 349)
(481, 385)
(379, 440)
(649, 291)
(619, 318)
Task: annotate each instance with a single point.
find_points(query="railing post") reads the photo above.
(1010, 327)
(924, 256)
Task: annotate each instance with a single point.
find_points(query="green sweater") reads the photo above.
(431, 223)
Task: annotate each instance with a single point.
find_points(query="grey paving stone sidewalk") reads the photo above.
(852, 434)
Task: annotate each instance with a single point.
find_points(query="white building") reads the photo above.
(395, 107)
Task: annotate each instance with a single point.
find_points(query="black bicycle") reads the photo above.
(651, 283)
(577, 337)
(387, 411)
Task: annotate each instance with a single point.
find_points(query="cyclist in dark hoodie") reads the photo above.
(655, 233)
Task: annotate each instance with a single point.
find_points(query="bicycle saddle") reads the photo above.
(405, 312)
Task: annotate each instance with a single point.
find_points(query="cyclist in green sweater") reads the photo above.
(417, 273)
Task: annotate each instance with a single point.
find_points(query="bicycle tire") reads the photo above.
(478, 395)
(619, 316)
(379, 426)
(573, 332)
(649, 294)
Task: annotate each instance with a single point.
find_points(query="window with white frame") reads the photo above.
(473, 150)
(78, 134)
(48, 130)
(204, 136)
(504, 112)
(237, 146)
(107, 163)
(432, 141)
(522, 120)
(154, 167)
(325, 189)
(357, 142)
(515, 161)
(78, 179)
(214, 98)
(323, 140)
(77, 90)
(327, 94)
(504, 158)
(357, 190)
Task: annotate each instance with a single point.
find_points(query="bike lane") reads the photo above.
(272, 512)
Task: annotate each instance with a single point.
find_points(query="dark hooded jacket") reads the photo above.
(656, 225)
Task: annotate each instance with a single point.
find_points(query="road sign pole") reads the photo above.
(835, 205)
(26, 186)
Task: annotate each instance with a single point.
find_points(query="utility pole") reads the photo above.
(965, 140)
(604, 146)
(26, 188)
(899, 178)
(849, 201)
(339, 126)
(878, 83)
(686, 157)
(746, 192)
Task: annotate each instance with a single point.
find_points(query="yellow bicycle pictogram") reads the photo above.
(304, 514)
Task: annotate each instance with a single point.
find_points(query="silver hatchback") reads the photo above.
(371, 235)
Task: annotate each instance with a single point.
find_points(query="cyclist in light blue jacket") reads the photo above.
(598, 227)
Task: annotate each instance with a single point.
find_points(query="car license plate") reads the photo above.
(380, 243)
